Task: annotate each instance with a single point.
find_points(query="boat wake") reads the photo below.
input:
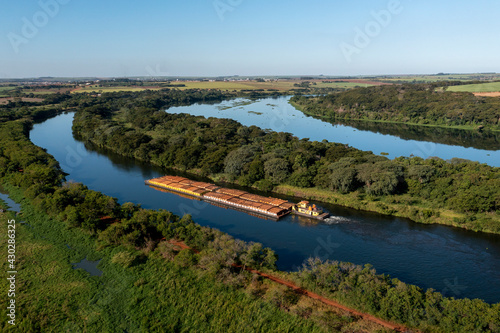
(336, 220)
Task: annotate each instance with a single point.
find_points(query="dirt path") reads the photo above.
(488, 94)
(181, 245)
(310, 294)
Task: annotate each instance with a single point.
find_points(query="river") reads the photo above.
(393, 140)
(450, 260)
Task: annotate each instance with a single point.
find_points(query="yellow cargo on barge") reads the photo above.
(241, 200)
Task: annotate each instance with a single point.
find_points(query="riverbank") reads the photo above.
(460, 193)
(301, 291)
(62, 298)
(457, 127)
(400, 206)
(395, 207)
(403, 206)
(419, 104)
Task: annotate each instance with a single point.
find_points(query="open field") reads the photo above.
(95, 88)
(42, 91)
(488, 94)
(5, 100)
(231, 85)
(4, 90)
(282, 85)
(347, 84)
(477, 88)
(445, 77)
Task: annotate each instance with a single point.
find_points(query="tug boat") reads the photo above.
(309, 210)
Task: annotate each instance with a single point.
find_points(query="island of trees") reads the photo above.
(457, 192)
(421, 104)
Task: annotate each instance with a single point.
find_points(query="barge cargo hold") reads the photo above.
(240, 200)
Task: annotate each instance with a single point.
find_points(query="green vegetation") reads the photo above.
(391, 298)
(139, 290)
(487, 140)
(98, 89)
(459, 193)
(148, 295)
(233, 86)
(344, 84)
(187, 85)
(438, 77)
(150, 285)
(481, 87)
(413, 104)
(4, 90)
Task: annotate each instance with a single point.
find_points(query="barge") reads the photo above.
(236, 199)
(240, 200)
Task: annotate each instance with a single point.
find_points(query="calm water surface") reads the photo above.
(455, 262)
(12, 205)
(277, 114)
(89, 266)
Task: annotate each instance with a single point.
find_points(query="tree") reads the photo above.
(422, 173)
(185, 258)
(343, 175)
(277, 170)
(236, 159)
(380, 178)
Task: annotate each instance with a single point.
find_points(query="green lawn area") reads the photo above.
(347, 85)
(446, 77)
(229, 85)
(238, 85)
(482, 87)
(4, 90)
(111, 89)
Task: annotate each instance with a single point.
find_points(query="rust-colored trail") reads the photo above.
(310, 294)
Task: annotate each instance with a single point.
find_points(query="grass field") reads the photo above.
(483, 87)
(231, 86)
(244, 85)
(346, 85)
(95, 88)
(446, 77)
(4, 90)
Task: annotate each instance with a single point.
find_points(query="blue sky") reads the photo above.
(247, 37)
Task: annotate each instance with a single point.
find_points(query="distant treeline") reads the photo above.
(425, 104)
(38, 176)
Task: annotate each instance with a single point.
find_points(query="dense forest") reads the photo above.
(424, 104)
(134, 245)
(458, 192)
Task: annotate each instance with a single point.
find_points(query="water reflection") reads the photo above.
(89, 266)
(12, 205)
(395, 140)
